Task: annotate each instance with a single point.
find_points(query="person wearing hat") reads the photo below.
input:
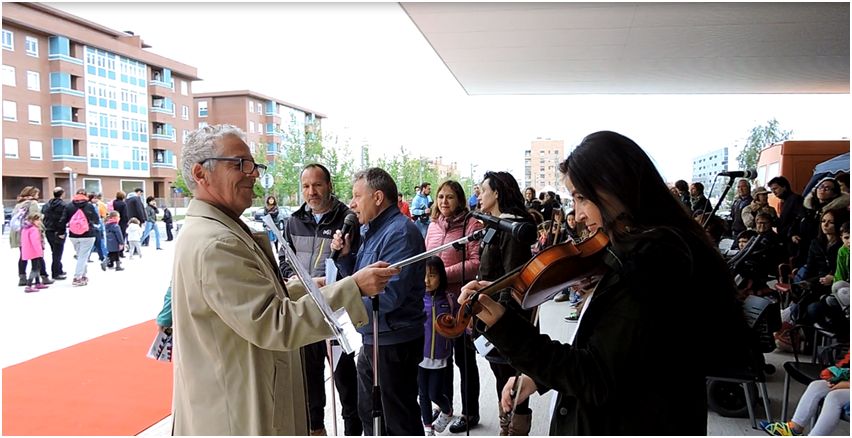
(760, 204)
(55, 221)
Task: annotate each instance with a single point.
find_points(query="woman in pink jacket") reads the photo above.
(450, 221)
(32, 248)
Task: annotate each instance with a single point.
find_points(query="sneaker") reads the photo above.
(573, 315)
(428, 431)
(441, 423)
(561, 297)
(46, 280)
(41, 286)
(60, 277)
(29, 289)
(103, 265)
(78, 282)
(435, 413)
(778, 428)
(464, 423)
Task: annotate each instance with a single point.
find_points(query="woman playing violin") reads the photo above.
(501, 197)
(663, 316)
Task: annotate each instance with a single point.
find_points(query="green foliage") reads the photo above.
(409, 171)
(761, 137)
(180, 183)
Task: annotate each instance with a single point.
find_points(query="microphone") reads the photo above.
(747, 174)
(350, 221)
(520, 231)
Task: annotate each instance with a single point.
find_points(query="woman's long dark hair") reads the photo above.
(631, 178)
(509, 199)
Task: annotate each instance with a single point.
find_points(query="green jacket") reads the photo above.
(842, 271)
(15, 236)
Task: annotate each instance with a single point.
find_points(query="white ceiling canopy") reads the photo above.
(640, 48)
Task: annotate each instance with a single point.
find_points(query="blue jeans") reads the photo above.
(148, 227)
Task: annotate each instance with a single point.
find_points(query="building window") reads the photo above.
(10, 110)
(32, 46)
(202, 108)
(8, 75)
(251, 126)
(35, 150)
(184, 112)
(8, 40)
(202, 124)
(185, 135)
(92, 185)
(10, 147)
(184, 88)
(34, 114)
(33, 80)
(251, 106)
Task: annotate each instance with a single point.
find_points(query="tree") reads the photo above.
(760, 137)
(180, 183)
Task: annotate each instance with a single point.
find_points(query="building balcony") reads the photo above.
(161, 116)
(67, 97)
(66, 64)
(163, 170)
(155, 137)
(68, 129)
(159, 87)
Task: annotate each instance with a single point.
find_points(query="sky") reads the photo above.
(368, 68)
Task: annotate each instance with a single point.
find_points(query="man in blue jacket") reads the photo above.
(386, 234)
(421, 208)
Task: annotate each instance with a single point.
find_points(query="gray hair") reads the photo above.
(204, 143)
(379, 179)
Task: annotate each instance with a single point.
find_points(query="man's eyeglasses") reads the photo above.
(247, 165)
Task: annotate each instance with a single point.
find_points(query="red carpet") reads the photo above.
(105, 386)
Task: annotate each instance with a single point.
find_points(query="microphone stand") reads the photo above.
(377, 392)
(719, 202)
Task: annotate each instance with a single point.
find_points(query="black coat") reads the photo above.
(120, 206)
(136, 208)
(663, 316)
(790, 209)
(55, 218)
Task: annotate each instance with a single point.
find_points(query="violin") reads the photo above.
(559, 266)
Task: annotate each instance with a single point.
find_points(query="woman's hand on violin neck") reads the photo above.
(526, 388)
(470, 289)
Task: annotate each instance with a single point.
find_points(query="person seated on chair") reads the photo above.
(832, 390)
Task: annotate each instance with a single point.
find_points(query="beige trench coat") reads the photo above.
(237, 360)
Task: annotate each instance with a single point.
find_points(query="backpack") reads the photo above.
(79, 223)
(17, 220)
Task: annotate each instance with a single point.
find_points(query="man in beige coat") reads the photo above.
(238, 330)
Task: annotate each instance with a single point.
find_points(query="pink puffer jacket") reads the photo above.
(443, 231)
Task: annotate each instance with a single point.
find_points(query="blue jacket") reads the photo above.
(114, 238)
(419, 206)
(391, 237)
(436, 346)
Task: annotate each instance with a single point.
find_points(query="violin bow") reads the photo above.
(516, 388)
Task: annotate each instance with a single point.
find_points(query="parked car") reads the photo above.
(284, 214)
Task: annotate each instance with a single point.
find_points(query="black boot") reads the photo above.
(118, 265)
(46, 280)
(22, 279)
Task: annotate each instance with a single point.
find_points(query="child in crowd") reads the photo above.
(832, 389)
(32, 248)
(134, 237)
(115, 242)
(437, 350)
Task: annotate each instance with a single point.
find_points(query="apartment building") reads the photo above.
(541, 164)
(88, 106)
(268, 122)
(706, 167)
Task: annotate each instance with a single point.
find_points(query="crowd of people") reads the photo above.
(113, 231)
(251, 346)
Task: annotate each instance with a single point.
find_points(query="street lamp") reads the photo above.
(70, 179)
